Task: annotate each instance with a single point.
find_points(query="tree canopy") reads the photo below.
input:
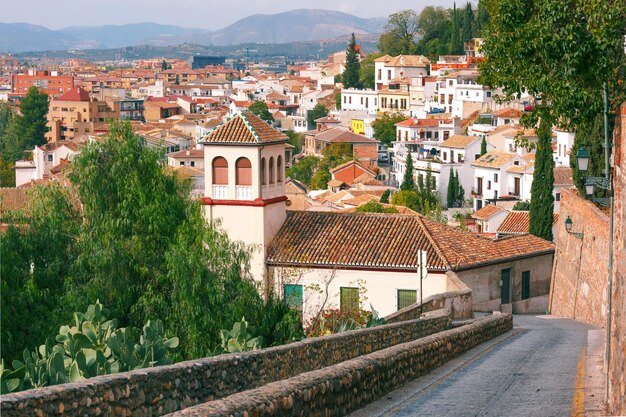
(259, 108)
(129, 233)
(384, 127)
(317, 112)
(351, 74)
(560, 53)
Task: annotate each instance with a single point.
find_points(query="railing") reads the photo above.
(243, 192)
(220, 192)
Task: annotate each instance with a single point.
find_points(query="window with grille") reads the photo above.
(406, 298)
(525, 285)
(293, 296)
(349, 298)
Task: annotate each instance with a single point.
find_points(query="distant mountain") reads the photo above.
(292, 26)
(17, 37)
(295, 25)
(118, 36)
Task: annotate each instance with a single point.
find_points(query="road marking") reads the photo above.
(578, 402)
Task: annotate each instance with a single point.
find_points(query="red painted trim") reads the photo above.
(259, 202)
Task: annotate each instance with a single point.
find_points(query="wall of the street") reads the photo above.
(617, 368)
(340, 389)
(580, 266)
(160, 390)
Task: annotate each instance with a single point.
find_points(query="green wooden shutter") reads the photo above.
(406, 298)
(525, 285)
(293, 296)
(349, 298)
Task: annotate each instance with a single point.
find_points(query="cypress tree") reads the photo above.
(351, 75)
(385, 197)
(451, 196)
(460, 193)
(408, 183)
(483, 146)
(541, 200)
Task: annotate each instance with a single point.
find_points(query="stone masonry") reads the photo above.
(345, 387)
(160, 390)
(580, 267)
(617, 367)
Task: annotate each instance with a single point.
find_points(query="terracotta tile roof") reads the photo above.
(459, 141)
(508, 112)
(349, 163)
(245, 128)
(341, 135)
(408, 61)
(184, 171)
(493, 159)
(563, 176)
(187, 153)
(362, 199)
(52, 146)
(352, 240)
(487, 211)
(335, 183)
(12, 199)
(75, 94)
(384, 58)
(411, 122)
(389, 241)
(521, 169)
(276, 96)
(327, 119)
(518, 222)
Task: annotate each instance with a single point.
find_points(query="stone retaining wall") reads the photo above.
(458, 301)
(348, 386)
(161, 390)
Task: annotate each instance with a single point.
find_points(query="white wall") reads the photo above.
(378, 288)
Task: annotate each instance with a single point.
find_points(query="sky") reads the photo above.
(205, 14)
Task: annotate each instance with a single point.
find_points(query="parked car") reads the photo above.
(383, 157)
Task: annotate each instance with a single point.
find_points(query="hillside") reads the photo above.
(279, 28)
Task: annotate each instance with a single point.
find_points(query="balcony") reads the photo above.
(220, 192)
(243, 192)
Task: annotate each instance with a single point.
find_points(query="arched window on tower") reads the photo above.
(263, 178)
(279, 169)
(243, 179)
(271, 170)
(244, 172)
(219, 171)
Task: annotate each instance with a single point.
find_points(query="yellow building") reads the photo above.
(358, 126)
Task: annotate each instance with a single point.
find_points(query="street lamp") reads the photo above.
(568, 228)
(582, 158)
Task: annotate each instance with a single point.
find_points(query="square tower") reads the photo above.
(244, 183)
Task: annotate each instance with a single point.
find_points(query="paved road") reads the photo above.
(535, 370)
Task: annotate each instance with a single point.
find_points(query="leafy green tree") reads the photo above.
(5, 117)
(7, 173)
(338, 101)
(385, 197)
(317, 112)
(351, 74)
(367, 72)
(35, 263)
(140, 243)
(483, 146)
(384, 127)
(374, 206)
(522, 206)
(296, 140)
(259, 108)
(408, 182)
(534, 41)
(26, 130)
(591, 136)
(407, 198)
(401, 29)
(304, 169)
